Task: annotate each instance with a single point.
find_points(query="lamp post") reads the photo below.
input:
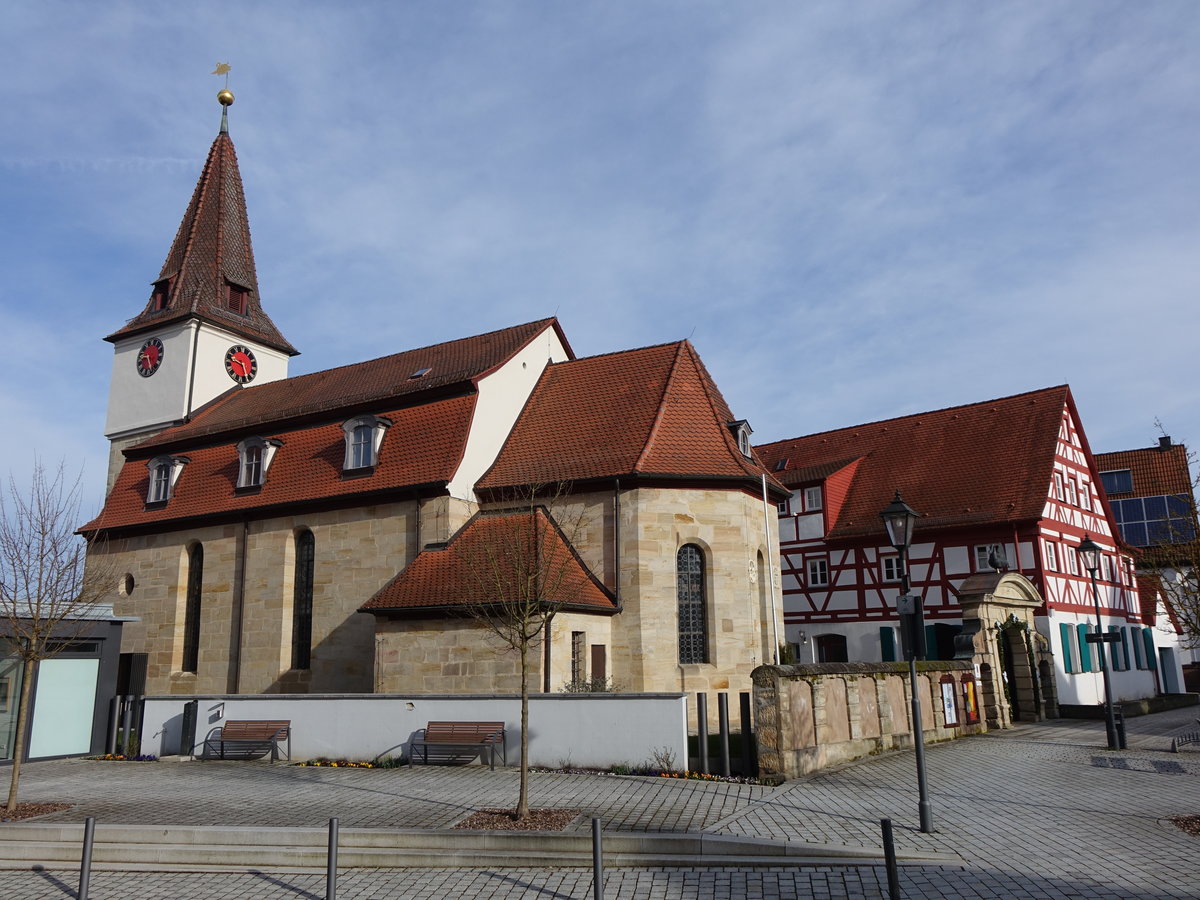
(1089, 557)
(899, 518)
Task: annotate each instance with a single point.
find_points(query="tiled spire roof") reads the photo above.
(653, 411)
(968, 465)
(211, 251)
(498, 545)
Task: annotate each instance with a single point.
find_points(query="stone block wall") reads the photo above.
(811, 717)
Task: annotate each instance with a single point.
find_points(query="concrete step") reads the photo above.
(205, 848)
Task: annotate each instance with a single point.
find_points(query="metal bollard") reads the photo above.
(889, 856)
(723, 725)
(702, 730)
(331, 862)
(597, 862)
(749, 769)
(85, 862)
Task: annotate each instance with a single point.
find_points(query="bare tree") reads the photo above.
(47, 594)
(523, 570)
(1174, 560)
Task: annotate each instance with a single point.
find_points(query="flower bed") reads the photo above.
(120, 757)
(387, 762)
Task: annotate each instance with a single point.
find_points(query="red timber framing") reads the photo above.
(1038, 540)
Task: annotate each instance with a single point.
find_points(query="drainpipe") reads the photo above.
(617, 542)
(239, 610)
(770, 572)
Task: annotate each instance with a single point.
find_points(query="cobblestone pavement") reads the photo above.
(1035, 812)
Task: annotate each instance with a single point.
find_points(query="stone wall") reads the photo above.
(811, 717)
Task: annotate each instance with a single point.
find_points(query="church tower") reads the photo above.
(203, 331)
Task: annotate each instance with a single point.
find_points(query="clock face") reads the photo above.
(241, 364)
(150, 357)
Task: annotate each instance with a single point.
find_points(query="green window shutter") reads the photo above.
(931, 647)
(1118, 663)
(1137, 649)
(1085, 649)
(1148, 635)
(1064, 633)
(887, 642)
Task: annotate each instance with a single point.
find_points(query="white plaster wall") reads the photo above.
(138, 404)
(502, 396)
(588, 730)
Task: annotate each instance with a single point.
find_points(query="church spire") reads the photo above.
(209, 273)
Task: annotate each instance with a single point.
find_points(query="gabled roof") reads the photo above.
(421, 449)
(212, 250)
(966, 465)
(653, 411)
(1156, 471)
(387, 379)
(497, 548)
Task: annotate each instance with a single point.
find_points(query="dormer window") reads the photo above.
(161, 297)
(254, 458)
(235, 298)
(741, 431)
(164, 472)
(364, 435)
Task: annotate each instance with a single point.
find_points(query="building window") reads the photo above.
(1085, 649)
(831, 648)
(302, 600)
(741, 431)
(164, 473)
(782, 506)
(161, 298)
(1118, 481)
(254, 458)
(191, 613)
(1066, 638)
(235, 298)
(1085, 495)
(693, 627)
(891, 568)
(1072, 492)
(1051, 556)
(818, 572)
(364, 436)
(986, 554)
(578, 661)
(812, 498)
(1058, 486)
(1072, 559)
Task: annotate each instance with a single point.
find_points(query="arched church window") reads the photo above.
(693, 625)
(302, 600)
(191, 615)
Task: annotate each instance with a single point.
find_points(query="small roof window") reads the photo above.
(421, 373)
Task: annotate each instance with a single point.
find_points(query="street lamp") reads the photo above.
(1089, 557)
(899, 519)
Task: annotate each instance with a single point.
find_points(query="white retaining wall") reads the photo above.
(593, 730)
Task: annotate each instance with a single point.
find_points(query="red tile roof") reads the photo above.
(363, 384)
(491, 550)
(1156, 471)
(423, 446)
(966, 465)
(212, 248)
(651, 412)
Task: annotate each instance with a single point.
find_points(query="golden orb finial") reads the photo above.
(225, 97)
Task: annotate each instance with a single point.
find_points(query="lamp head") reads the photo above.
(899, 519)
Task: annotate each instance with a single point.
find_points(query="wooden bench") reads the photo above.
(1188, 737)
(249, 739)
(474, 737)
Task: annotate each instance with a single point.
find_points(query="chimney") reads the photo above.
(1164, 442)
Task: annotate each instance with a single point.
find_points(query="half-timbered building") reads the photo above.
(1009, 485)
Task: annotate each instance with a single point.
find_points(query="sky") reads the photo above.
(854, 210)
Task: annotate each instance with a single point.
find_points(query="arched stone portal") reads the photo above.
(1014, 659)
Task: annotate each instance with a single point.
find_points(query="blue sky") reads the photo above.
(854, 211)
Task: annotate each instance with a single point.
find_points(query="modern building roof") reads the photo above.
(1156, 471)
(651, 412)
(211, 251)
(965, 465)
(486, 567)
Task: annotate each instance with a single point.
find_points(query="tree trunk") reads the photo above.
(19, 743)
(523, 795)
